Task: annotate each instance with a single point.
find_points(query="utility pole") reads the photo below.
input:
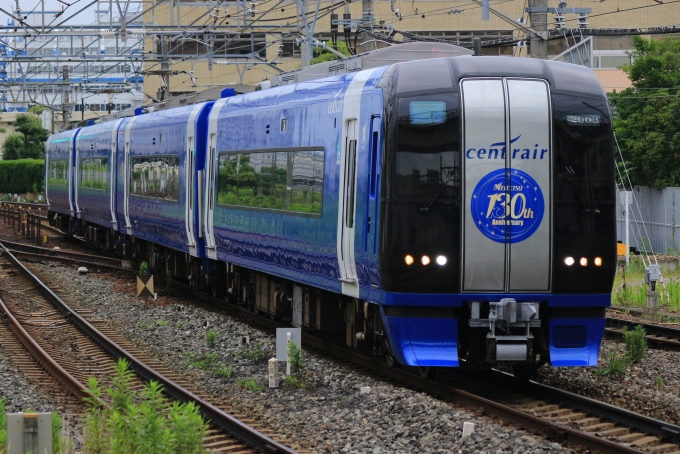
(367, 18)
(538, 15)
(65, 112)
(306, 44)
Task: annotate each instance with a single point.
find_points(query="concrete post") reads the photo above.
(539, 22)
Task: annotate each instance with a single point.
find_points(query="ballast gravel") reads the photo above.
(331, 415)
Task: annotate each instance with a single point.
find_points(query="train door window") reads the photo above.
(350, 178)
(58, 175)
(93, 173)
(155, 176)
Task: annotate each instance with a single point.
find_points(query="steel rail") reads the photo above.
(656, 335)
(218, 417)
(610, 412)
(29, 249)
(43, 357)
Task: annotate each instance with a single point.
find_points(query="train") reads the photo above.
(445, 212)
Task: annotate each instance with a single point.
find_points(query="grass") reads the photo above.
(257, 354)
(634, 293)
(636, 344)
(615, 364)
(250, 384)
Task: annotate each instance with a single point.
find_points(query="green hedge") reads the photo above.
(22, 175)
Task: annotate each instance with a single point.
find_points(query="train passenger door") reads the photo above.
(210, 171)
(76, 179)
(347, 208)
(126, 177)
(507, 185)
(112, 171)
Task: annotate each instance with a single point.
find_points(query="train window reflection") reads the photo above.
(155, 176)
(58, 175)
(93, 173)
(428, 149)
(272, 180)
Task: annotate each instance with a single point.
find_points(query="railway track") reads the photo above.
(70, 344)
(557, 414)
(658, 336)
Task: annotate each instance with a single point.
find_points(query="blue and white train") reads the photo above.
(442, 212)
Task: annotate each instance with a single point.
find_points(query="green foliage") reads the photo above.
(28, 141)
(21, 176)
(211, 338)
(161, 323)
(3, 131)
(297, 362)
(293, 381)
(36, 110)
(636, 344)
(3, 426)
(224, 371)
(615, 364)
(204, 362)
(143, 269)
(56, 433)
(659, 384)
(257, 354)
(142, 423)
(322, 55)
(12, 147)
(646, 124)
(250, 384)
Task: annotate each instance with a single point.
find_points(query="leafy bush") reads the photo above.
(143, 269)
(22, 175)
(636, 344)
(3, 425)
(142, 422)
(297, 362)
(250, 384)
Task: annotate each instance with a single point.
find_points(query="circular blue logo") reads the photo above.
(507, 205)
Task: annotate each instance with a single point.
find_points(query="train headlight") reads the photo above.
(583, 261)
(441, 260)
(425, 260)
(409, 260)
(569, 261)
(598, 261)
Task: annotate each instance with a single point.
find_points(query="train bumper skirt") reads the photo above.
(575, 341)
(422, 341)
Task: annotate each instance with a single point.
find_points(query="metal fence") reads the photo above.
(660, 211)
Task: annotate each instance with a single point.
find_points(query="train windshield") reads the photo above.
(427, 166)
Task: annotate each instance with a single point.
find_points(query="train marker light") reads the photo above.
(441, 260)
(583, 261)
(409, 260)
(569, 261)
(598, 261)
(425, 260)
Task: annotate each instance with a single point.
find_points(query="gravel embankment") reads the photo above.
(651, 387)
(330, 415)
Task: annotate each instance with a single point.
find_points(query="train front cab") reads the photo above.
(498, 222)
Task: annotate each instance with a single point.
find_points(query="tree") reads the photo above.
(28, 128)
(647, 123)
(13, 145)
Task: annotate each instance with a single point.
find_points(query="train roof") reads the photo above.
(563, 77)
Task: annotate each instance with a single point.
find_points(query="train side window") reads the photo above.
(281, 180)
(58, 175)
(93, 173)
(155, 176)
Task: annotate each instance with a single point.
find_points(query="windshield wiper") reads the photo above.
(426, 208)
(570, 176)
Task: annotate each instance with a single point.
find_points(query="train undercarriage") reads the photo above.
(502, 332)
